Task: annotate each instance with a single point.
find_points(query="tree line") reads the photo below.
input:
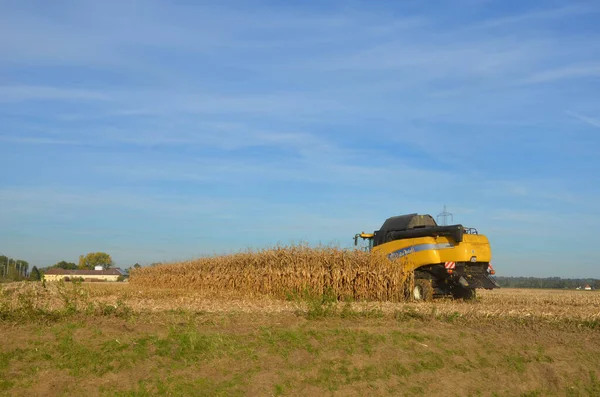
(547, 282)
(13, 269)
(18, 270)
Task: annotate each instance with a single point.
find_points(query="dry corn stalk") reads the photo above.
(282, 271)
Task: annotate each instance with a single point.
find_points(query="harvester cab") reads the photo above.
(445, 260)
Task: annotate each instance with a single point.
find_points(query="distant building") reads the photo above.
(56, 274)
(588, 287)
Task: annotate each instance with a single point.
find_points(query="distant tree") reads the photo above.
(3, 266)
(65, 265)
(35, 274)
(22, 267)
(92, 259)
(548, 282)
(13, 269)
(129, 269)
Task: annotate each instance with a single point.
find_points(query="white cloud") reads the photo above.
(564, 73)
(539, 15)
(37, 140)
(66, 203)
(588, 120)
(20, 93)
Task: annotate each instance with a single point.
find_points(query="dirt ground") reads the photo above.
(184, 344)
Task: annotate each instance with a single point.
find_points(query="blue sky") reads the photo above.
(165, 130)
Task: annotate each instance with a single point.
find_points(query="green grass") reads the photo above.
(186, 346)
(181, 386)
(325, 350)
(188, 358)
(516, 362)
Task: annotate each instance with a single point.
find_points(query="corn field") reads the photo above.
(284, 271)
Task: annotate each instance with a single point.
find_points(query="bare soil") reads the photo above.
(120, 340)
(288, 354)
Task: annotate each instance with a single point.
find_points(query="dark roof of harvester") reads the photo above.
(109, 272)
(404, 222)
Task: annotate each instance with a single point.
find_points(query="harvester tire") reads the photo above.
(422, 291)
(467, 294)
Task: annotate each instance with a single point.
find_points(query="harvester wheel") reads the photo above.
(467, 294)
(422, 291)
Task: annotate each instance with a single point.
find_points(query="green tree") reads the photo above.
(35, 274)
(13, 269)
(22, 267)
(3, 266)
(129, 269)
(547, 282)
(65, 265)
(92, 259)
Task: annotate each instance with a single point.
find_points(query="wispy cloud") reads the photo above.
(585, 119)
(538, 15)
(568, 72)
(19, 93)
(37, 141)
(47, 201)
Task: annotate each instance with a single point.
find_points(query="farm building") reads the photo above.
(98, 274)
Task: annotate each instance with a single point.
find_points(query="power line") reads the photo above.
(444, 215)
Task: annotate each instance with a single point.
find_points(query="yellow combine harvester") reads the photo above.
(446, 260)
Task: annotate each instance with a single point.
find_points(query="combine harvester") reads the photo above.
(446, 260)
